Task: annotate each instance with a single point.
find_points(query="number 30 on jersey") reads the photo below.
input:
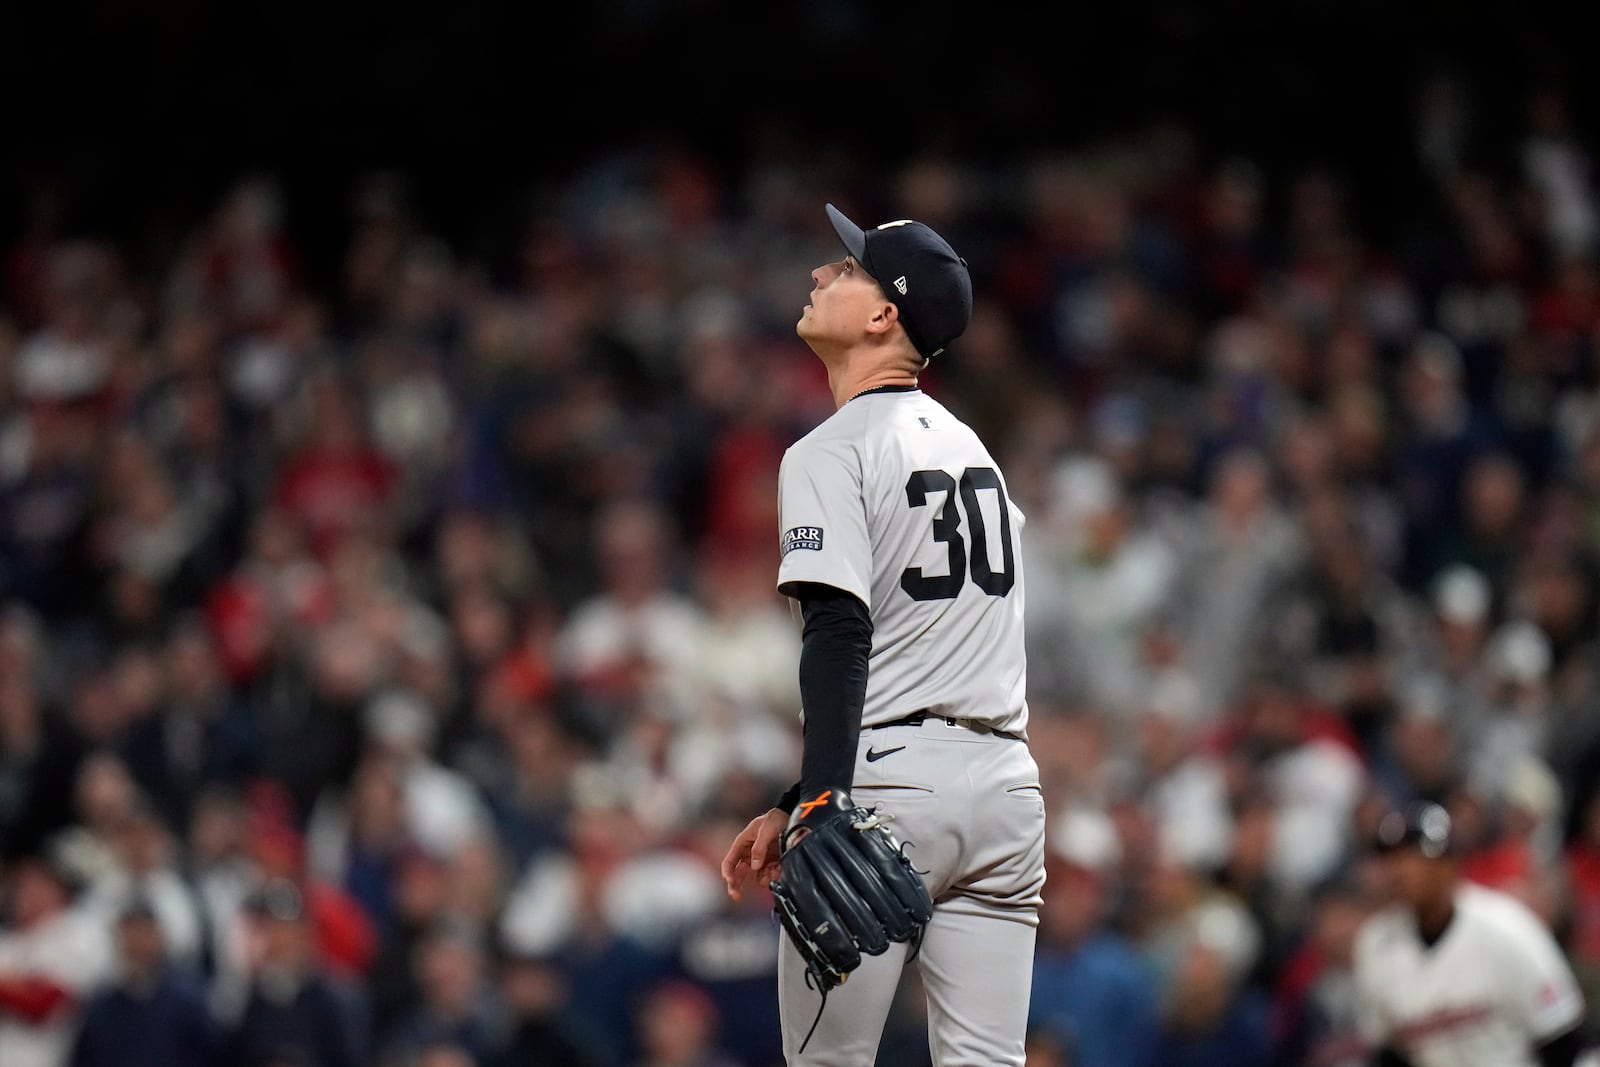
(946, 529)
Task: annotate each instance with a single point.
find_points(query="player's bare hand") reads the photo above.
(754, 853)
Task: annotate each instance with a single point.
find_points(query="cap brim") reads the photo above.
(853, 237)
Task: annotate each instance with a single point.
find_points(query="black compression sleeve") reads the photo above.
(835, 645)
(1562, 1050)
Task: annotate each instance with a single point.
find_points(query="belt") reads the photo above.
(917, 718)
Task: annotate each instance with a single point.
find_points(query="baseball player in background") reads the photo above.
(1454, 974)
(900, 546)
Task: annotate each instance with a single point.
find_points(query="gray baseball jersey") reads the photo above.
(1491, 989)
(895, 500)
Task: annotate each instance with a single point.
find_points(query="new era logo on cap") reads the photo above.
(930, 283)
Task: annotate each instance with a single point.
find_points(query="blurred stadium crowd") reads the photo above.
(385, 666)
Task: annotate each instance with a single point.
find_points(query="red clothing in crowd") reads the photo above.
(333, 492)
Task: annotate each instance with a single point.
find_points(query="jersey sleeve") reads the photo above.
(1542, 992)
(823, 519)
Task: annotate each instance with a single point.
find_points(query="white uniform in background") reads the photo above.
(1488, 992)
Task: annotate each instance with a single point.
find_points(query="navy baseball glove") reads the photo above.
(846, 887)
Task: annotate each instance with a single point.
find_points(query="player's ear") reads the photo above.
(884, 316)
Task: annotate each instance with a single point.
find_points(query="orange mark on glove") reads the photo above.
(805, 809)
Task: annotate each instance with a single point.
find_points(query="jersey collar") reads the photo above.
(886, 389)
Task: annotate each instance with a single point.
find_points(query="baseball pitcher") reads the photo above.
(916, 831)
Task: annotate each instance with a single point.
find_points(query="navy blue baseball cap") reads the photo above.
(919, 271)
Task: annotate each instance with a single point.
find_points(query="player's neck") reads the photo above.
(847, 386)
(1434, 919)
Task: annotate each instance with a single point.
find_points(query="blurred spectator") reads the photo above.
(418, 901)
(1211, 1016)
(732, 438)
(153, 1014)
(1235, 248)
(345, 938)
(1182, 903)
(242, 263)
(606, 912)
(1446, 655)
(1314, 1007)
(1516, 724)
(106, 800)
(1308, 768)
(144, 527)
(46, 500)
(483, 623)
(678, 1028)
(535, 992)
(312, 717)
(524, 767)
(643, 886)
(147, 868)
(218, 866)
(22, 745)
(636, 636)
(732, 954)
(337, 482)
(751, 642)
(1519, 842)
(194, 432)
(1559, 167)
(360, 841)
(1344, 618)
(200, 735)
(1106, 584)
(1241, 551)
(258, 609)
(1183, 785)
(1092, 991)
(439, 808)
(456, 1002)
(1493, 515)
(54, 956)
(1557, 590)
(294, 1009)
(39, 751)
(1421, 755)
(1204, 945)
(1440, 439)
